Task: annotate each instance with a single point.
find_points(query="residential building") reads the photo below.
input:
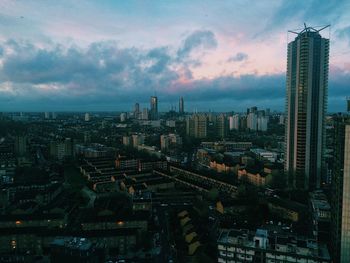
(181, 106)
(154, 108)
(239, 245)
(307, 84)
(340, 198)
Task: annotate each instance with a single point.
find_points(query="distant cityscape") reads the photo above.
(145, 185)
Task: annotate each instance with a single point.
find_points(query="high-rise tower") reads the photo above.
(307, 84)
(340, 197)
(154, 108)
(181, 106)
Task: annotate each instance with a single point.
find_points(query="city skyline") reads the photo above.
(214, 56)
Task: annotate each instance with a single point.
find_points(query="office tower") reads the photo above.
(307, 84)
(47, 115)
(21, 145)
(54, 115)
(340, 195)
(87, 117)
(252, 121)
(137, 111)
(181, 106)
(154, 108)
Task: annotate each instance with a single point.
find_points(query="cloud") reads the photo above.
(198, 39)
(105, 76)
(240, 56)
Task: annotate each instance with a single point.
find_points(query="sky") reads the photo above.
(108, 55)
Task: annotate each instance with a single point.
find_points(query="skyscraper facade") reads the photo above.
(307, 84)
(340, 198)
(137, 111)
(181, 106)
(154, 108)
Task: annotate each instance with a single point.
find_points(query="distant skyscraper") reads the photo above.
(340, 194)
(307, 84)
(47, 115)
(137, 111)
(181, 106)
(154, 108)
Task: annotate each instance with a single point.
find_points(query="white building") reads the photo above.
(262, 123)
(123, 117)
(252, 121)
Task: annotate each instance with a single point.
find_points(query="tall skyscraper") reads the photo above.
(154, 108)
(137, 110)
(181, 106)
(340, 195)
(307, 84)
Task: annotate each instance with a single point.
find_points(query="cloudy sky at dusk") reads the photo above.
(107, 55)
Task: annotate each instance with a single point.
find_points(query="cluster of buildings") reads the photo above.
(203, 125)
(253, 120)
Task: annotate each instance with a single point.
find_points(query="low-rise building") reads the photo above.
(238, 245)
(255, 177)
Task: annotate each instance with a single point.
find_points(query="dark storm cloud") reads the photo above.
(240, 56)
(205, 39)
(107, 77)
